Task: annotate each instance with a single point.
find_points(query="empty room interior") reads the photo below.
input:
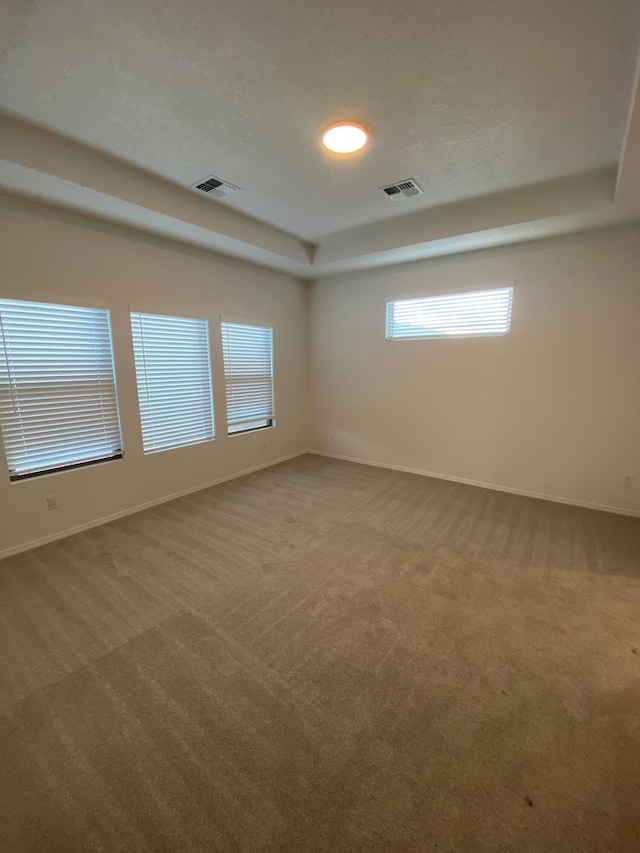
(320, 426)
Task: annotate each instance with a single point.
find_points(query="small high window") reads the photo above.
(478, 314)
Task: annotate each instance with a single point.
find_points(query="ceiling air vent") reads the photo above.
(214, 187)
(403, 189)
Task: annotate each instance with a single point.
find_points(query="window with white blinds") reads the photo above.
(173, 372)
(477, 314)
(248, 372)
(58, 403)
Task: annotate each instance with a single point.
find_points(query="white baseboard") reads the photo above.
(570, 502)
(71, 531)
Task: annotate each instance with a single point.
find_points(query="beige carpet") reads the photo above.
(326, 657)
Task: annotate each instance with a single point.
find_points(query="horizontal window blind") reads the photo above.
(248, 371)
(482, 313)
(58, 404)
(173, 373)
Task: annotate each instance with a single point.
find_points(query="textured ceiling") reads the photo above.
(467, 97)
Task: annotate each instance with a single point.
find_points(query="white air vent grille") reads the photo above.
(403, 189)
(214, 187)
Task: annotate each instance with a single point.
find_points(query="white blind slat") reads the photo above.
(173, 373)
(481, 313)
(248, 370)
(58, 401)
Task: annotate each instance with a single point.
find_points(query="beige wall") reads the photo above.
(552, 409)
(51, 253)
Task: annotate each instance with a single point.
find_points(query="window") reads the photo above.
(58, 404)
(482, 313)
(248, 373)
(173, 372)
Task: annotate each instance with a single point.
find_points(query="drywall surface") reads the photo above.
(52, 254)
(551, 409)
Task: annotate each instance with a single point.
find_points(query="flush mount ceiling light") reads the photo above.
(344, 137)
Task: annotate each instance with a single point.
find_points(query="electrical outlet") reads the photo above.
(52, 502)
(264, 445)
(628, 482)
(332, 436)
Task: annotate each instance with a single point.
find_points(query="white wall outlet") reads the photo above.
(52, 502)
(628, 482)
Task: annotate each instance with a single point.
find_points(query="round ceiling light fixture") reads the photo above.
(344, 137)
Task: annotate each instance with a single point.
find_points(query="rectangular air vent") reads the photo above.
(403, 189)
(214, 187)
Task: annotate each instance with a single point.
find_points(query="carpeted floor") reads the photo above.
(326, 657)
